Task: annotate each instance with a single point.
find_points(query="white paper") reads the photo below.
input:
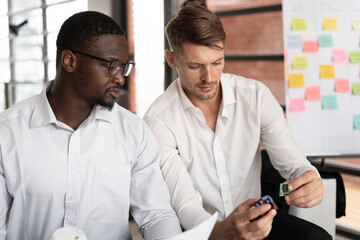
(200, 232)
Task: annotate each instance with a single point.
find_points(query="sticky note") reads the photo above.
(356, 88)
(327, 71)
(354, 56)
(355, 23)
(342, 85)
(339, 55)
(294, 41)
(285, 55)
(312, 93)
(310, 46)
(330, 24)
(298, 24)
(329, 102)
(356, 121)
(296, 80)
(300, 63)
(325, 41)
(297, 104)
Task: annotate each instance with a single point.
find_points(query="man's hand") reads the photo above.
(238, 224)
(307, 190)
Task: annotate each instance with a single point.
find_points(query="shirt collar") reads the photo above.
(228, 96)
(43, 113)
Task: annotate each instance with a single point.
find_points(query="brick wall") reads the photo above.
(256, 34)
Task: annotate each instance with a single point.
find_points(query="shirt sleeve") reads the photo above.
(185, 200)
(5, 200)
(285, 154)
(150, 200)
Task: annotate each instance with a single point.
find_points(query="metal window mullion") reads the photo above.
(9, 89)
(45, 43)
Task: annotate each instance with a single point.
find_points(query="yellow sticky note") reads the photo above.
(300, 62)
(356, 88)
(296, 80)
(355, 23)
(330, 24)
(327, 71)
(298, 24)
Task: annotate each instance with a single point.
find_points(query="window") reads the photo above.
(28, 31)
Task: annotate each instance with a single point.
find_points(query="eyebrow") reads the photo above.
(221, 58)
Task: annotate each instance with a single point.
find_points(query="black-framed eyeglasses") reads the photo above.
(115, 65)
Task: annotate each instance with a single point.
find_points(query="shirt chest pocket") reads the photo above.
(112, 184)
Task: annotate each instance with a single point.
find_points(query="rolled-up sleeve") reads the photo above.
(285, 154)
(185, 200)
(150, 200)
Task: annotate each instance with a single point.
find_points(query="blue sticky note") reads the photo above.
(325, 40)
(295, 41)
(356, 121)
(329, 102)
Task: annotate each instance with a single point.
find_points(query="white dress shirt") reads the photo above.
(221, 170)
(52, 176)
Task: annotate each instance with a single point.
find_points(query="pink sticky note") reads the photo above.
(312, 93)
(339, 55)
(310, 46)
(285, 55)
(297, 105)
(342, 85)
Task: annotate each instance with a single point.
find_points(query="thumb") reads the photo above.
(245, 206)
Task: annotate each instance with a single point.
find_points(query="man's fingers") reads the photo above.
(308, 201)
(306, 193)
(245, 206)
(261, 227)
(258, 211)
(303, 179)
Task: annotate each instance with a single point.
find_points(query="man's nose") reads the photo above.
(206, 74)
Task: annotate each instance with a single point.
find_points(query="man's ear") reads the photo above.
(68, 60)
(170, 58)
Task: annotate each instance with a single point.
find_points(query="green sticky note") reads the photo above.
(325, 40)
(356, 121)
(329, 102)
(356, 88)
(354, 56)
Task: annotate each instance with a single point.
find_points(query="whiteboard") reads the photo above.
(323, 102)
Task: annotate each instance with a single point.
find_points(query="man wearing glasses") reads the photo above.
(70, 157)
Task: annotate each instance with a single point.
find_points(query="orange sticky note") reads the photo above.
(330, 24)
(339, 55)
(297, 105)
(312, 93)
(342, 85)
(310, 46)
(327, 71)
(296, 80)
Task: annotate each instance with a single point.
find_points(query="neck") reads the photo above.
(66, 107)
(210, 108)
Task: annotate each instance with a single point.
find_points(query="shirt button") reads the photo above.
(227, 201)
(72, 197)
(72, 167)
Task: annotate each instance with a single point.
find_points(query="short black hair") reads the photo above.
(83, 28)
